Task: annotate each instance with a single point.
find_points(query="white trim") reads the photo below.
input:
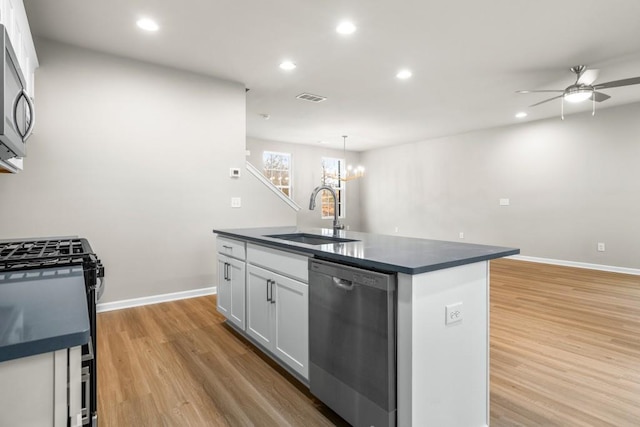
(155, 299)
(255, 172)
(601, 267)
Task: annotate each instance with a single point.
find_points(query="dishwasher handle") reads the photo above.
(347, 285)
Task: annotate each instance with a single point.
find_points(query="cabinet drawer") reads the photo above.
(285, 263)
(231, 247)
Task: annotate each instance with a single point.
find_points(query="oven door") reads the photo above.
(18, 112)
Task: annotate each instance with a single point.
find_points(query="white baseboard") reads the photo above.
(601, 267)
(154, 299)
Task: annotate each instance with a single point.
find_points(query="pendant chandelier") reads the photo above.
(350, 173)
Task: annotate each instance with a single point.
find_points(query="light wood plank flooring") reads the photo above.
(565, 346)
(565, 351)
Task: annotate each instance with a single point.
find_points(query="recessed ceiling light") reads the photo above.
(287, 65)
(404, 74)
(521, 115)
(346, 27)
(147, 24)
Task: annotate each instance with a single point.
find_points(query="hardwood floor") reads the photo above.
(565, 351)
(565, 346)
(177, 364)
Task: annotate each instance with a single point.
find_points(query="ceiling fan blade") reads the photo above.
(618, 83)
(599, 96)
(537, 91)
(588, 77)
(546, 100)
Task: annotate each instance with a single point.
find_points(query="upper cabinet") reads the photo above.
(13, 16)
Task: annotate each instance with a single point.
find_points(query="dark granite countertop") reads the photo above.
(41, 311)
(375, 251)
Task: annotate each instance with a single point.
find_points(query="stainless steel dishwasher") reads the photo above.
(352, 342)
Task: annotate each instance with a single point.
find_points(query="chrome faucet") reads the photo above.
(312, 204)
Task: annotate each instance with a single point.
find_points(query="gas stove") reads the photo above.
(25, 254)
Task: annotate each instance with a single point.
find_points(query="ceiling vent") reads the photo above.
(310, 97)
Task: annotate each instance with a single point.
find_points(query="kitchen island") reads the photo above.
(442, 312)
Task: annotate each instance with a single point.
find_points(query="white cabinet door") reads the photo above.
(259, 318)
(277, 316)
(224, 287)
(291, 322)
(236, 276)
(231, 289)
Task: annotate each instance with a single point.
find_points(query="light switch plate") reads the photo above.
(236, 202)
(453, 313)
(504, 202)
(234, 172)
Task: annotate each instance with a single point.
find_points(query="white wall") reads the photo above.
(571, 184)
(136, 158)
(307, 175)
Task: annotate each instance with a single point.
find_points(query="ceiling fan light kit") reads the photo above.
(578, 94)
(583, 88)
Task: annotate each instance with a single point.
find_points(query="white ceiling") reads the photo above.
(468, 57)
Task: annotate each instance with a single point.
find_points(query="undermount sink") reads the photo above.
(310, 239)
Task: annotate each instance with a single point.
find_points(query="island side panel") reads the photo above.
(443, 370)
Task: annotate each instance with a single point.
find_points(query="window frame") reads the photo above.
(340, 189)
(289, 171)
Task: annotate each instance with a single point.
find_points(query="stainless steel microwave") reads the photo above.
(18, 114)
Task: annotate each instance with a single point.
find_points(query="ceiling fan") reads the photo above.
(584, 88)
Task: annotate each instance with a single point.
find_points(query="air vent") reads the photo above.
(310, 97)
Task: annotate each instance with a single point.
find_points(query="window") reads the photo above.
(277, 169)
(331, 171)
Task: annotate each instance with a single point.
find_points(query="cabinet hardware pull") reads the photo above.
(227, 247)
(273, 299)
(268, 285)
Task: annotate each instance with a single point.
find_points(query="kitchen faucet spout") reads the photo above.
(312, 204)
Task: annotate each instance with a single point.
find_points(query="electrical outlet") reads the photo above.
(600, 247)
(504, 202)
(461, 235)
(236, 202)
(453, 313)
(396, 229)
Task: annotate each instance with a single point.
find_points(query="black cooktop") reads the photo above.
(23, 254)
